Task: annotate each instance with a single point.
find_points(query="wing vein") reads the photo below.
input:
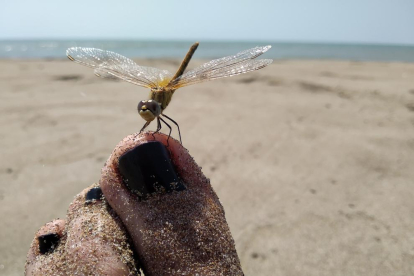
(107, 64)
(237, 64)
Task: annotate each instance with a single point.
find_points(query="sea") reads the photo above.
(55, 49)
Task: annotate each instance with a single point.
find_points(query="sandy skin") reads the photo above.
(92, 242)
(183, 232)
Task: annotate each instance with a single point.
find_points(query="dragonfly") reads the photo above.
(162, 83)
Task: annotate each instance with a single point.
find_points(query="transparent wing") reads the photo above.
(108, 64)
(240, 63)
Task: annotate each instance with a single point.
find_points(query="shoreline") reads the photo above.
(200, 60)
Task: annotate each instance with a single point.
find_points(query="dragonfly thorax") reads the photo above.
(162, 95)
(149, 109)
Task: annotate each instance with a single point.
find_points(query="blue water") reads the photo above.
(55, 49)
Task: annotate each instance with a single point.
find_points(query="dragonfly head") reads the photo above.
(149, 110)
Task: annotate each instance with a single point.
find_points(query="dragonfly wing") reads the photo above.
(145, 76)
(108, 64)
(240, 63)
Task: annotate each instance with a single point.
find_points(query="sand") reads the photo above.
(312, 160)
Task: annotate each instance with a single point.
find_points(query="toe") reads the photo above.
(96, 241)
(184, 230)
(47, 241)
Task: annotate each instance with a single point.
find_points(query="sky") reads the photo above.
(338, 21)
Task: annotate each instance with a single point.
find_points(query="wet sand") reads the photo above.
(312, 160)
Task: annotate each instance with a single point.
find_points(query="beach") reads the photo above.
(312, 159)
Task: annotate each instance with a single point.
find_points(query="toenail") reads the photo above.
(147, 169)
(93, 194)
(48, 242)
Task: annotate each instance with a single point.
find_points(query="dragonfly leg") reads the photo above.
(179, 133)
(158, 127)
(169, 134)
(146, 124)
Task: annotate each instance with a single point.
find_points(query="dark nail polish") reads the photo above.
(93, 194)
(48, 243)
(147, 169)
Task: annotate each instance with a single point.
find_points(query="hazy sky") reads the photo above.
(367, 21)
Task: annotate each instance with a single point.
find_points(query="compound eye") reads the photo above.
(148, 105)
(152, 105)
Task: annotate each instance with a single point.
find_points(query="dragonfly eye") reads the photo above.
(149, 109)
